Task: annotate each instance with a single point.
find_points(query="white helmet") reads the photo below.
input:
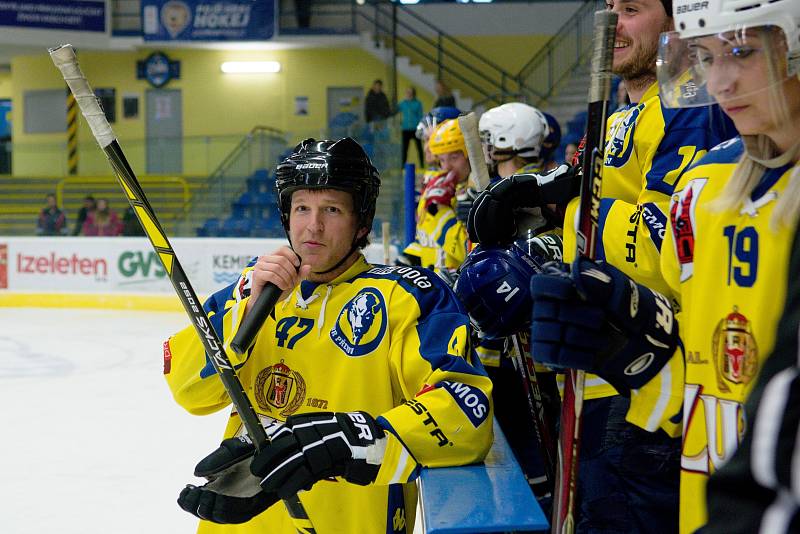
(515, 129)
(682, 84)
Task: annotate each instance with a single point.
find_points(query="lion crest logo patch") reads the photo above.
(361, 324)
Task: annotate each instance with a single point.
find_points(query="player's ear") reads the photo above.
(362, 232)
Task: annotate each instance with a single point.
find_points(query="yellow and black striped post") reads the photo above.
(72, 134)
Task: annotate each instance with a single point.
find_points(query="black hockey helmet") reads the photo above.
(341, 165)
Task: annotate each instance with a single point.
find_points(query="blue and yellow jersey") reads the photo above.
(392, 341)
(441, 239)
(647, 148)
(728, 270)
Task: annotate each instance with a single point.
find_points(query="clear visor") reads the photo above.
(719, 68)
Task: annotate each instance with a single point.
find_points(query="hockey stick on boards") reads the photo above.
(542, 425)
(386, 240)
(605, 23)
(66, 61)
(479, 176)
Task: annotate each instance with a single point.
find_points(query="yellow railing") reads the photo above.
(95, 183)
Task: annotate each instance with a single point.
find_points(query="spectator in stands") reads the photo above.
(411, 108)
(569, 152)
(130, 223)
(52, 220)
(444, 98)
(103, 221)
(376, 105)
(89, 206)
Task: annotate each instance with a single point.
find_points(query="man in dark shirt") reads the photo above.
(376, 105)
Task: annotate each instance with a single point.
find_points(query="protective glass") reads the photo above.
(717, 68)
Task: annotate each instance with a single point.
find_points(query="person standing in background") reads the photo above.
(52, 220)
(89, 206)
(376, 105)
(411, 108)
(444, 98)
(130, 224)
(103, 221)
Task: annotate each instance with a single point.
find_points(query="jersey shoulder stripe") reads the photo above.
(727, 152)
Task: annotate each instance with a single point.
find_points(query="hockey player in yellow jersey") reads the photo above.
(362, 375)
(441, 239)
(725, 252)
(647, 147)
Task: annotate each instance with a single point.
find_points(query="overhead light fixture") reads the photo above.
(250, 67)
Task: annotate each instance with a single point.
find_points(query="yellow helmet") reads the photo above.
(447, 138)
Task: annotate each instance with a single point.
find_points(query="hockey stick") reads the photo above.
(386, 240)
(533, 392)
(605, 23)
(66, 61)
(479, 174)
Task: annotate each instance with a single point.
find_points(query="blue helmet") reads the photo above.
(493, 283)
(553, 140)
(433, 118)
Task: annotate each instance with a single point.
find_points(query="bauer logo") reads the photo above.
(473, 401)
(361, 324)
(692, 6)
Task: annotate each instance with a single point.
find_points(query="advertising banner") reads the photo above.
(203, 20)
(126, 265)
(78, 15)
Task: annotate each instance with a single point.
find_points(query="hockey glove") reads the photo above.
(315, 446)
(232, 494)
(493, 221)
(593, 317)
(464, 203)
(440, 190)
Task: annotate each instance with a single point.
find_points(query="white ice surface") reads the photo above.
(91, 441)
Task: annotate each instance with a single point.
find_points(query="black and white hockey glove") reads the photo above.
(492, 219)
(315, 446)
(232, 494)
(464, 201)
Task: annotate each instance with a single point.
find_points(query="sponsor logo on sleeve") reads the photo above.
(167, 358)
(472, 401)
(414, 276)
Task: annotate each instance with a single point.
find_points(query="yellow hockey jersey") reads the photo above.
(392, 341)
(728, 270)
(647, 148)
(440, 240)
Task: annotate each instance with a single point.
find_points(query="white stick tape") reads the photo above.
(67, 62)
(469, 129)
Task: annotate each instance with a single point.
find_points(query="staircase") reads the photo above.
(418, 76)
(259, 149)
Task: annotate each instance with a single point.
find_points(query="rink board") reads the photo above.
(490, 497)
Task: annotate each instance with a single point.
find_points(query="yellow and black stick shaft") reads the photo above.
(604, 31)
(66, 61)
